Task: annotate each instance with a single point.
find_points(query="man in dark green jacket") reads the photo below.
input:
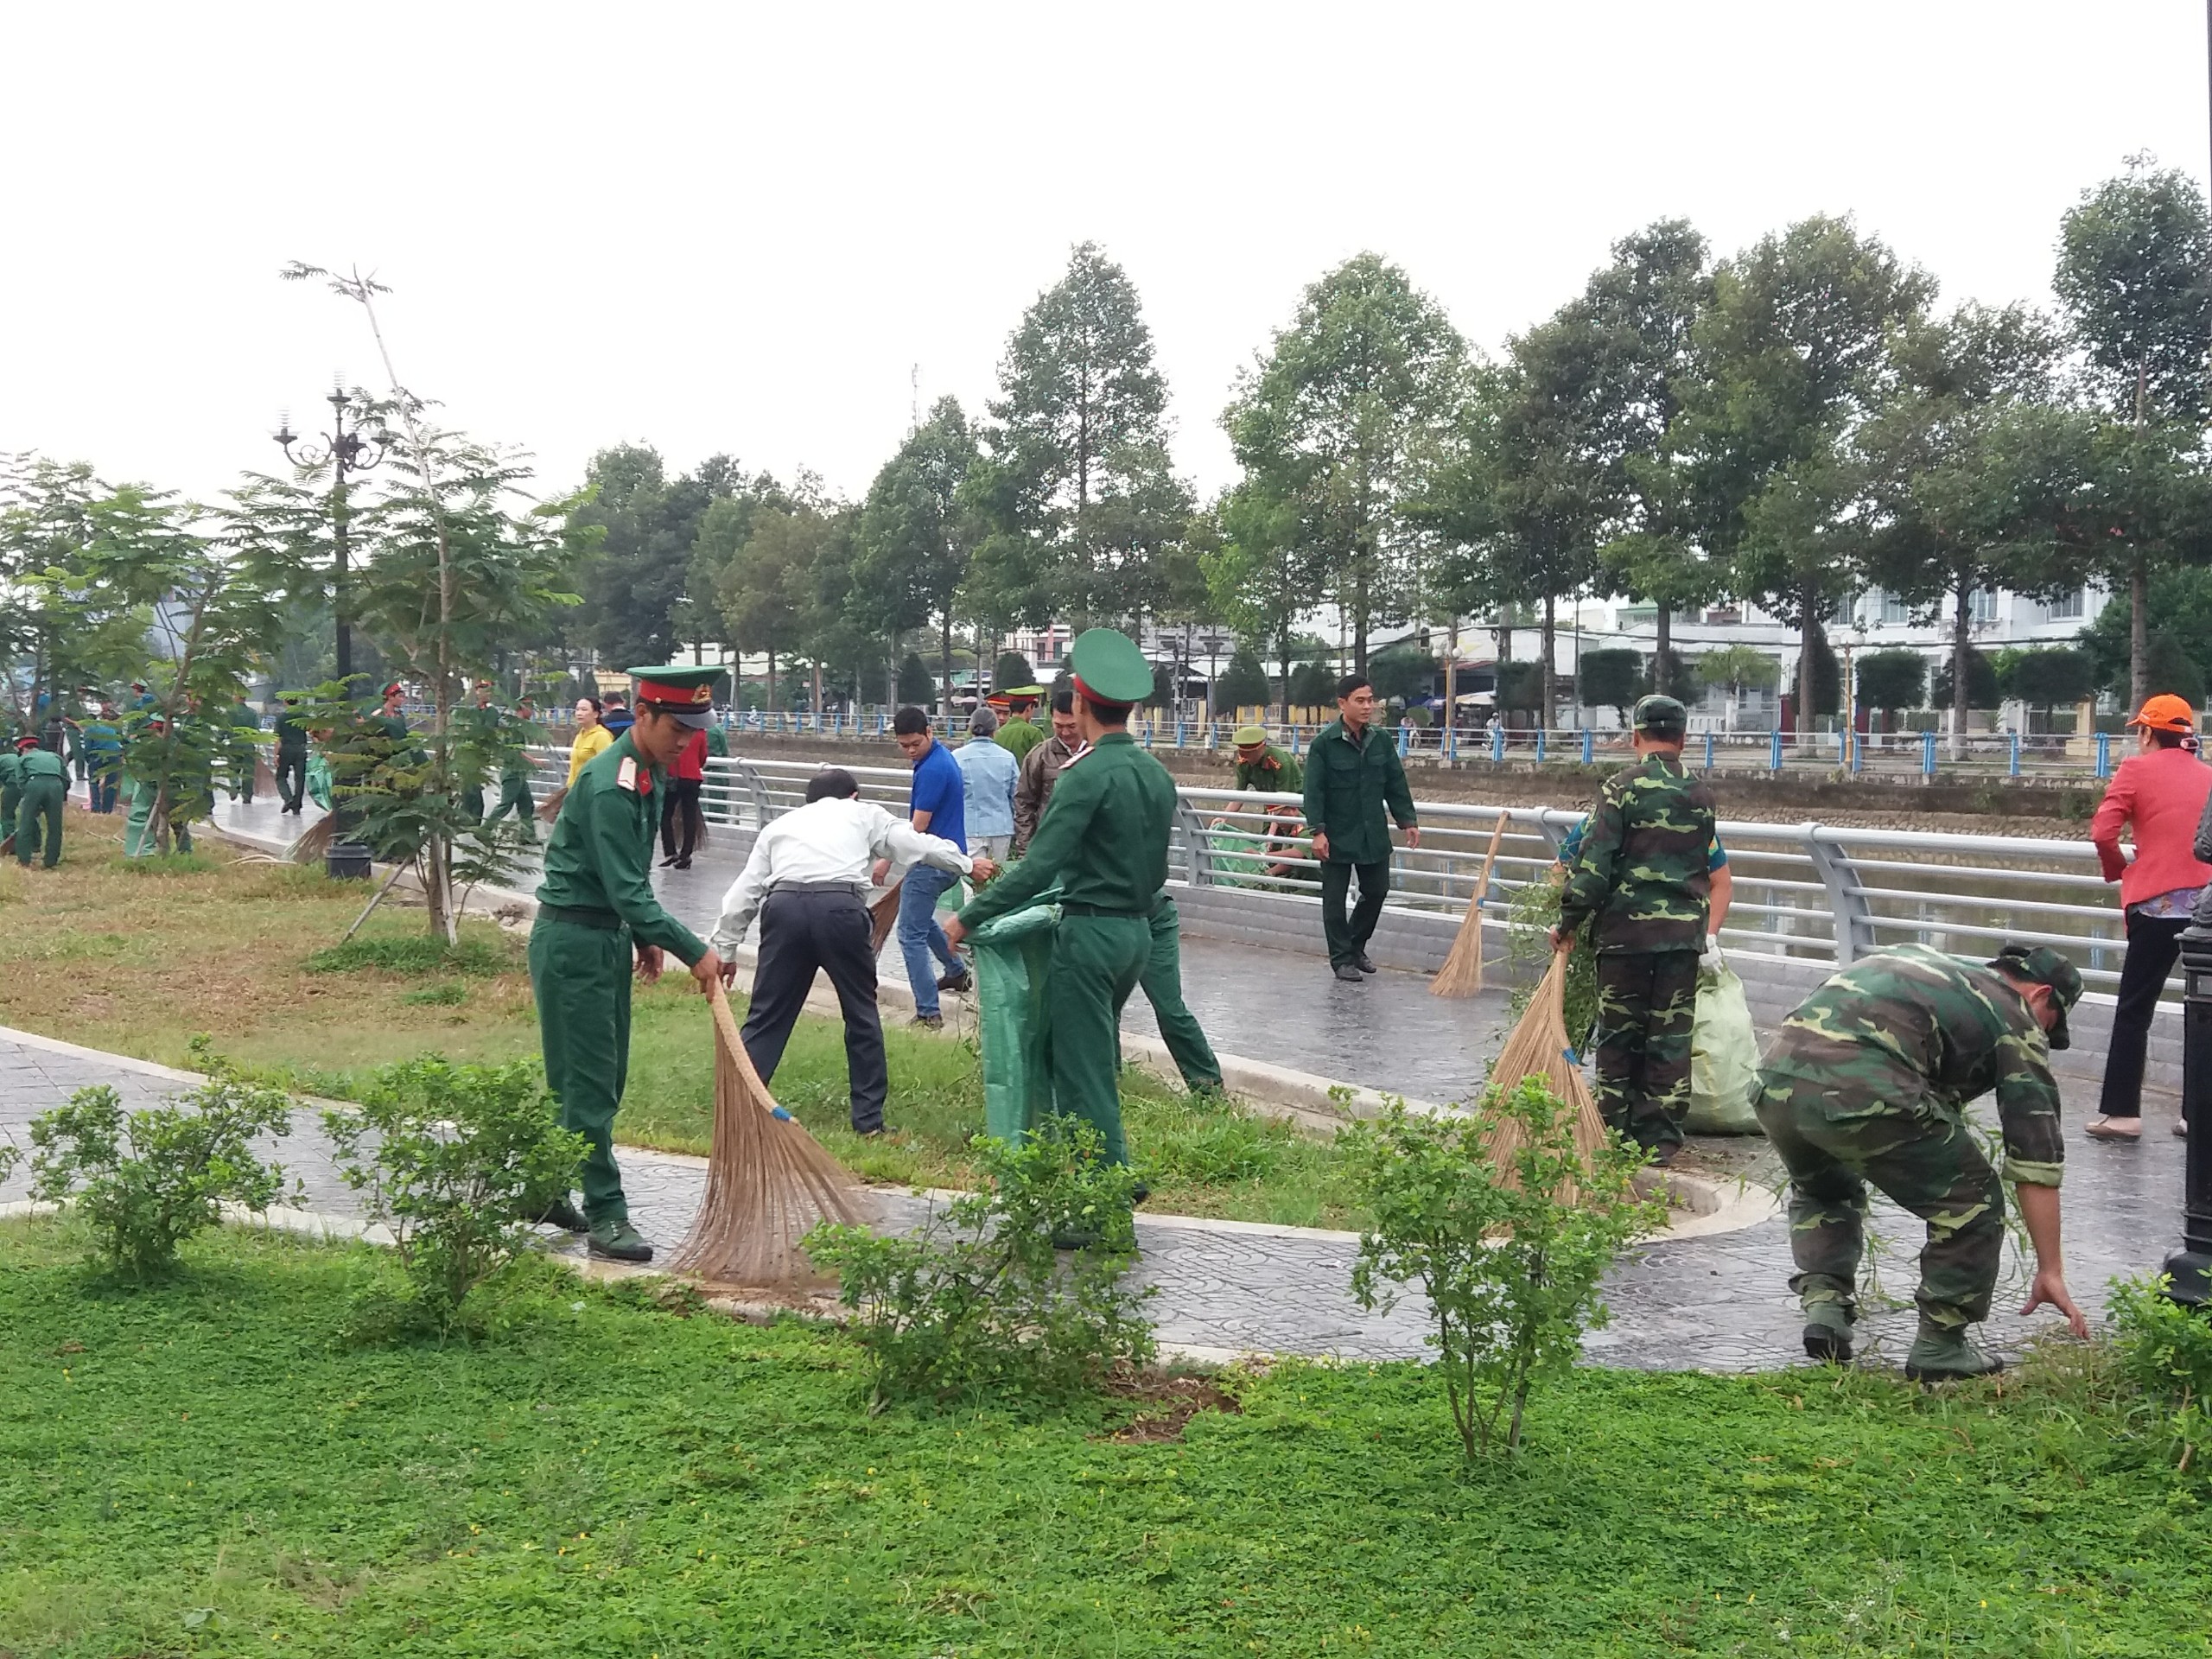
(1351, 773)
(1103, 841)
(596, 913)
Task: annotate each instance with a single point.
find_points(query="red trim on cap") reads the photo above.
(1111, 703)
(687, 695)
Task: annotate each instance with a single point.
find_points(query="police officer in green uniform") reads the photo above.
(1263, 769)
(597, 918)
(1103, 841)
(1017, 734)
(45, 786)
(1866, 1086)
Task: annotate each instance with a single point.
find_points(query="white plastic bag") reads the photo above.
(1724, 1057)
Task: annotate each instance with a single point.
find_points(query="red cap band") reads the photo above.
(660, 692)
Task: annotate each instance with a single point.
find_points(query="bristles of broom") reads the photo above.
(1538, 1047)
(264, 778)
(1462, 973)
(311, 847)
(549, 807)
(883, 916)
(768, 1182)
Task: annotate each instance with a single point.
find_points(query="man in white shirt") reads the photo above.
(807, 881)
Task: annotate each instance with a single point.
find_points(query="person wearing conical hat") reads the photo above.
(598, 922)
(1103, 843)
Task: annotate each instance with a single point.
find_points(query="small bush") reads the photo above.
(145, 1181)
(411, 953)
(979, 1303)
(449, 1158)
(446, 994)
(2165, 1350)
(1510, 1268)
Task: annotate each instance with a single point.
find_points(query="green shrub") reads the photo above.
(979, 1303)
(1509, 1257)
(2165, 1350)
(145, 1181)
(411, 953)
(449, 1158)
(1206, 1141)
(446, 994)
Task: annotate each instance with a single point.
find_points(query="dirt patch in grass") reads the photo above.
(1165, 1403)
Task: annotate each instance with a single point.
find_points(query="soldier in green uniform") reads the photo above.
(518, 733)
(1352, 772)
(1103, 841)
(1162, 984)
(1866, 1086)
(717, 741)
(478, 729)
(596, 913)
(291, 755)
(244, 751)
(1017, 733)
(45, 786)
(11, 785)
(1641, 883)
(1263, 769)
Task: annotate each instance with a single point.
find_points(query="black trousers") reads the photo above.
(800, 932)
(2153, 943)
(292, 777)
(682, 801)
(1347, 937)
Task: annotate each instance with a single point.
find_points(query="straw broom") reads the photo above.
(1462, 973)
(549, 807)
(768, 1181)
(1538, 1047)
(311, 847)
(883, 916)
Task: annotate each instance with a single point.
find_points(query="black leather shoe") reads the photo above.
(1349, 975)
(618, 1241)
(1364, 964)
(962, 981)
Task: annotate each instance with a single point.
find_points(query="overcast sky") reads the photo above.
(740, 227)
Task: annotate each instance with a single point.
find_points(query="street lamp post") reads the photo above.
(2189, 1268)
(346, 451)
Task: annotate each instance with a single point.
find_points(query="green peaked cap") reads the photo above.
(1109, 666)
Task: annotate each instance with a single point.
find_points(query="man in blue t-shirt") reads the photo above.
(938, 806)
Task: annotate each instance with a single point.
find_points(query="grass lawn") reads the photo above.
(198, 1468)
(136, 957)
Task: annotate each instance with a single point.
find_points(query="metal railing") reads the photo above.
(1807, 891)
(1894, 755)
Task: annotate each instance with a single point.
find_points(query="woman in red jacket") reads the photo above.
(2162, 789)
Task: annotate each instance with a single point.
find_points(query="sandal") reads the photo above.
(2101, 1129)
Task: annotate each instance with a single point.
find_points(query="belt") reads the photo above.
(1067, 909)
(857, 888)
(606, 920)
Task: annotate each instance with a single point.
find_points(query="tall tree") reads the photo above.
(769, 598)
(1343, 425)
(1643, 311)
(1968, 470)
(1793, 354)
(1080, 428)
(2135, 279)
(638, 583)
(917, 533)
(1262, 576)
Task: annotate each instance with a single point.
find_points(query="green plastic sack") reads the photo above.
(319, 781)
(1013, 1018)
(1724, 1057)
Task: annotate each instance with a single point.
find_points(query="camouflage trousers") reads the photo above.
(1647, 1002)
(1836, 1142)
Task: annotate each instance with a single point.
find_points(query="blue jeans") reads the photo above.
(919, 936)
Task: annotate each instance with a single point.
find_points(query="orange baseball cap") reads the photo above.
(2166, 713)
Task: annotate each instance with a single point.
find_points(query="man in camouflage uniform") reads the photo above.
(1642, 884)
(1867, 1083)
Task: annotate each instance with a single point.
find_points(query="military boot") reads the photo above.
(1828, 1332)
(618, 1241)
(1942, 1354)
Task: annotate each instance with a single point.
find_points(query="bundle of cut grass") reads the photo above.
(768, 1182)
(1538, 1047)
(1462, 973)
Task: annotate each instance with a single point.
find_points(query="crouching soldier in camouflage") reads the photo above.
(1865, 1085)
(1642, 883)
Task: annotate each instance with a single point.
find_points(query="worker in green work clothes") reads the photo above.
(11, 785)
(518, 732)
(1866, 1086)
(597, 921)
(1352, 772)
(1103, 843)
(1017, 733)
(477, 729)
(291, 755)
(38, 820)
(1643, 884)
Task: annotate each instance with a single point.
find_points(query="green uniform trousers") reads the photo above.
(11, 804)
(1097, 960)
(1163, 988)
(41, 805)
(1646, 1004)
(1836, 1143)
(515, 798)
(581, 977)
(1346, 936)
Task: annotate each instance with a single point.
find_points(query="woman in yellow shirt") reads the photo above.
(591, 737)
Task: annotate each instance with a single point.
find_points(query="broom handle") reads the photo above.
(733, 1045)
(1490, 862)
